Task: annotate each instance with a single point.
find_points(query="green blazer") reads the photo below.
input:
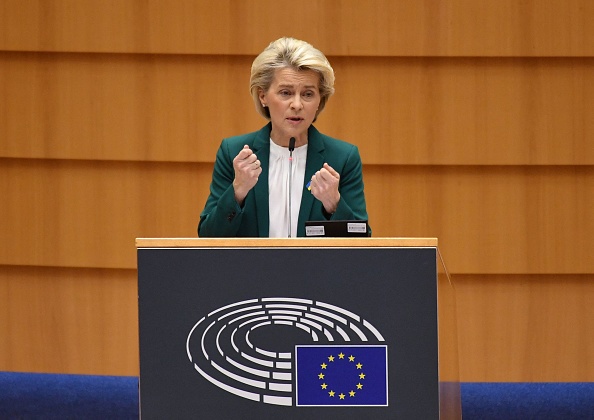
(223, 217)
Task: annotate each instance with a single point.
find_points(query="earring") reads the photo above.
(263, 105)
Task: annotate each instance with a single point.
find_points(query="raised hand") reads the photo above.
(324, 187)
(247, 170)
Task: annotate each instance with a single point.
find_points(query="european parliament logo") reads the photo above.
(331, 356)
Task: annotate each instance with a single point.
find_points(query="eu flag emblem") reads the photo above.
(343, 375)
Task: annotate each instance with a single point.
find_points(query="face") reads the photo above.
(293, 100)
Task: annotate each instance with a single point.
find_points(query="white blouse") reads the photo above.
(278, 189)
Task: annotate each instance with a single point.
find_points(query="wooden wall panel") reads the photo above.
(416, 111)
(122, 107)
(88, 213)
(68, 320)
(511, 327)
(473, 119)
(477, 111)
(526, 328)
(340, 27)
(492, 220)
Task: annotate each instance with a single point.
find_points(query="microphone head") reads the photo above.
(291, 144)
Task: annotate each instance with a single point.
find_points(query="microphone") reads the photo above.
(291, 148)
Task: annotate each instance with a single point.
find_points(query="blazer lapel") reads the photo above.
(315, 160)
(261, 148)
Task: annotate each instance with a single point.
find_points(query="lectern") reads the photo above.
(296, 329)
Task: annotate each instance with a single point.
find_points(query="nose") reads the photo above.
(296, 103)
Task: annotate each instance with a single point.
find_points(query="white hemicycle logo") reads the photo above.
(221, 348)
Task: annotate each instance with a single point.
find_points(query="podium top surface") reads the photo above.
(286, 242)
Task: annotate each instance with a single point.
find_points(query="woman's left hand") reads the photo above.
(324, 187)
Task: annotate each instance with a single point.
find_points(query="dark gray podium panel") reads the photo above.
(219, 330)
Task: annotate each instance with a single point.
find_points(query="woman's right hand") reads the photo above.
(247, 170)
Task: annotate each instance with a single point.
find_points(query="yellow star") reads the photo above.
(331, 393)
(341, 355)
(359, 365)
(352, 393)
(359, 386)
(351, 358)
(324, 365)
(331, 358)
(321, 376)
(324, 386)
(362, 376)
(341, 395)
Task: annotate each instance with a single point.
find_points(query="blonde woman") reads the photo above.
(270, 182)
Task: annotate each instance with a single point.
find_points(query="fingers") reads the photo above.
(331, 170)
(246, 159)
(247, 170)
(326, 175)
(324, 181)
(324, 187)
(246, 154)
(253, 164)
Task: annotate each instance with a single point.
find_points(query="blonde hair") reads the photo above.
(292, 53)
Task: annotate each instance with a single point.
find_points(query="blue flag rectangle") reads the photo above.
(342, 375)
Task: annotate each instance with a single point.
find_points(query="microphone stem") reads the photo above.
(291, 148)
(290, 188)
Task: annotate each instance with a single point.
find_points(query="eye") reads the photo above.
(285, 93)
(310, 94)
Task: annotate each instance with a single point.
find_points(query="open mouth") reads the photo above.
(295, 119)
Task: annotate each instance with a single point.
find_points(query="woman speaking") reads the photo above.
(270, 182)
